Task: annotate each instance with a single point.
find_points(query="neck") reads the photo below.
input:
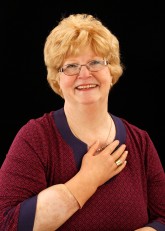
(90, 124)
(91, 115)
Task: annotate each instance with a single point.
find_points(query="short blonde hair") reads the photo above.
(73, 33)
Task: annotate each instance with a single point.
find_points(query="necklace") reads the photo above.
(106, 141)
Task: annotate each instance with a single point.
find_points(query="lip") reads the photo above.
(86, 86)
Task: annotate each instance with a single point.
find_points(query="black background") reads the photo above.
(24, 91)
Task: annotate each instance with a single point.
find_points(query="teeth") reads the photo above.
(87, 86)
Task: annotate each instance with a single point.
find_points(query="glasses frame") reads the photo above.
(104, 62)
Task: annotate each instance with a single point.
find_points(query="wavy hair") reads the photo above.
(73, 33)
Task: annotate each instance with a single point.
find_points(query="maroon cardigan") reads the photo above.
(45, 152)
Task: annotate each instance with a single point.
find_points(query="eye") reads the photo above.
(94, 62)
(71, 66)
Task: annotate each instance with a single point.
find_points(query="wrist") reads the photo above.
(81, 188)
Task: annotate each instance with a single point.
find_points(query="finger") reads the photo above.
(93, 148)
(118, 152)
(122, 159)
(120, 167)
(111, 147)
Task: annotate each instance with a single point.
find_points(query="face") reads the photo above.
(86, 87)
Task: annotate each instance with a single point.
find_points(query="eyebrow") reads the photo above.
(76, 62)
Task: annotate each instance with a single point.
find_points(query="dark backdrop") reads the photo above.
(138, 96)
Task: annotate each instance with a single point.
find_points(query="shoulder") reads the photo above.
(132, 127)
(137, 136)
(38, 126)
(135, 132)
(45, 120)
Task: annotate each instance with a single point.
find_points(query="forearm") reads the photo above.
(55, 205)
(146, 229)
(81, 187)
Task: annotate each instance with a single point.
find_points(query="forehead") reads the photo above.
(83, 53)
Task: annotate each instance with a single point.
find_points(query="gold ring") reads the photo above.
(118, 162)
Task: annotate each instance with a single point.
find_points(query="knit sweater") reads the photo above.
(45, 152)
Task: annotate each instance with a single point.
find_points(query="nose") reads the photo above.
(84, 71)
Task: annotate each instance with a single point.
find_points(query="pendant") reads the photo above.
(101, 148)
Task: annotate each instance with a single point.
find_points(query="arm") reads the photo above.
(55, 205)
(62, 201)
(156, 187)
(145, 229)
(24, 189)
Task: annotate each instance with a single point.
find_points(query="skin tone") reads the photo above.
(83, 93)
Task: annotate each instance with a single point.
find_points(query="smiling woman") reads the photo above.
(82, 166)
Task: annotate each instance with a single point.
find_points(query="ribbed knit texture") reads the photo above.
(39, 158)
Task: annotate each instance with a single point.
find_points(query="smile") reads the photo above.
(86, 86)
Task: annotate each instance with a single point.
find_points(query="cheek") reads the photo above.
(65, 83)
(107, 76)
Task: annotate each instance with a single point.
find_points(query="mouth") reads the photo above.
(86, 87)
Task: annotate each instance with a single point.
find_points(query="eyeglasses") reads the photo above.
(74, 68)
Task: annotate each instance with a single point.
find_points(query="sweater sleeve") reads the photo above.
(22, 177)
(157, 225)
(156, 186)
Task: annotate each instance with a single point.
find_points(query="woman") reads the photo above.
(81, 167)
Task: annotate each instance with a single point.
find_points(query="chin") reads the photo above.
(88, 101)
